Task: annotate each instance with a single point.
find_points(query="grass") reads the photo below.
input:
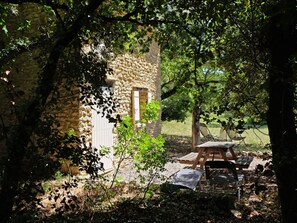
(255, 138)
(177, 128)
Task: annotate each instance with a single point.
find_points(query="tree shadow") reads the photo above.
(178, 144)
(178, 206)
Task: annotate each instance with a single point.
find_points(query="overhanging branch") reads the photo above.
(44, 2)
(169, 93)
(13, 52)
(128, 18)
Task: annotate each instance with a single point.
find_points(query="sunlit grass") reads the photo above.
(177, 128)
(255, 138)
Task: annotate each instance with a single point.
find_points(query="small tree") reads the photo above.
(136, 143)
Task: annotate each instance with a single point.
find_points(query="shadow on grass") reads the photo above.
(183, 145)
(178, 144)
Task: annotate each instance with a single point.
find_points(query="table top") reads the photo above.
(219, 145)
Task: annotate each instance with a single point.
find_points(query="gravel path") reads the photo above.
(178, 146)
(128, 173)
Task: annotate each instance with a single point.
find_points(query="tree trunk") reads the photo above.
(18, 140)
(195, 128)
(281, 121)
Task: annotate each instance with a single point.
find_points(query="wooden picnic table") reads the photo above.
(214, 150)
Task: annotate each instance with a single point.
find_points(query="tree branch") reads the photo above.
(59, 17)
(128, 18)
(166, 83)
(13, 52)
(44, 2)
(169, 93)
(17, 142)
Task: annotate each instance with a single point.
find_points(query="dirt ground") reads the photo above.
(207, 204)
(258, 201)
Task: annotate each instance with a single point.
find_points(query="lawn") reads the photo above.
(255, 138)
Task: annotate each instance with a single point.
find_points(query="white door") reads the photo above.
(102, 135)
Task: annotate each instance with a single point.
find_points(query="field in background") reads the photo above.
(254, 137)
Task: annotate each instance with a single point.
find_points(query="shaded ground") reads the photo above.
(171, 204)
(257, 204)
(181, 206)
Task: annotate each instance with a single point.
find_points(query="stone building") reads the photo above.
(134, 81)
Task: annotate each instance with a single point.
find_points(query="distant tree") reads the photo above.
(189, 77)
(214, 38)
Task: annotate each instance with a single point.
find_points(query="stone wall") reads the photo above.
(85, 122)
(129, 71)
(136, 71)
(64, 105)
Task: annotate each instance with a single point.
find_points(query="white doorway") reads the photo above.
(102, 135)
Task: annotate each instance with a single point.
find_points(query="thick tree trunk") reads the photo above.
(20, 135)
(281, 121)
(19, 139)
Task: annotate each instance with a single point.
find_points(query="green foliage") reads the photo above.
(147, 151)
(3, 14)
(228, 39)
(58, 175)
(70, 133)
(245, 64)
(152, 111)
(25, 25)
(176, 108)
(14, 45)
(150, 153)
(216, 38)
